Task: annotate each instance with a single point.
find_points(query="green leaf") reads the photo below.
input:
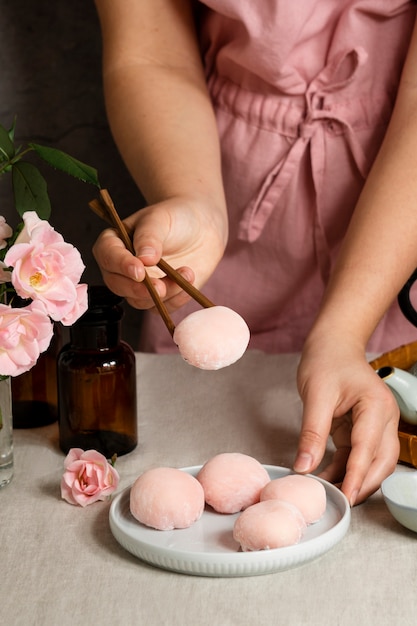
(11, 131)
(66, 163)
(7, 150)
(30, 190)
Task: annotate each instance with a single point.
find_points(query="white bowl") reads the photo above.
(400, 495)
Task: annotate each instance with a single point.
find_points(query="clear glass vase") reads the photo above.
(6, 432)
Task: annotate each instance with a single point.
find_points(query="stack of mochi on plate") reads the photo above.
(272, 513)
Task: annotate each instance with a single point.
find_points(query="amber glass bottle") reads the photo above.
(34, 393)
(97, 381)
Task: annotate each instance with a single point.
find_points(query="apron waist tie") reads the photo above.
(317, 117)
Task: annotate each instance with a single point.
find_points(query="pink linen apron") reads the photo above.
(303, 91)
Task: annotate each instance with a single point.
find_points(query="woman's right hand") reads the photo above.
(191, 237)
(163, 122)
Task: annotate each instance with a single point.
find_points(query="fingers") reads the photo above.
(319, 405)
(172, 295)
(374, 452)
(314, 435)
(341, 470)
(335, 471)
(123, 273)
(366, 437)
(114, 259)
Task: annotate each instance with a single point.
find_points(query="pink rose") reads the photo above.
(5, 275)
(80, 306)
(88, 477)
(48, 269)
(24, 333)
(5, 232)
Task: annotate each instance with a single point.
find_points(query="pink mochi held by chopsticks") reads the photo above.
(212, 338)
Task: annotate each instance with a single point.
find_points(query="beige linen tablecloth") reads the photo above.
(60, 565)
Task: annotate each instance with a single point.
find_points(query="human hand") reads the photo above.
(188, 235)
(344, 397)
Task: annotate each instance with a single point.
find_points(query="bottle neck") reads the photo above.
(99, 336)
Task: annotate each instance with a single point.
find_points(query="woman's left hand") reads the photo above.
(345, 398)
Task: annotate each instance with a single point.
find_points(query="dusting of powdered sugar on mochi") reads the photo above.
(232, 481)
(304, 492)
(212, 338)
(166, 498)
(268, 525)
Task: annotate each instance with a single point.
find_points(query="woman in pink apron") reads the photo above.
(300, 95)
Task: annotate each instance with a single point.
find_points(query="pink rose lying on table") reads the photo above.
(47, 269)
(88, 477)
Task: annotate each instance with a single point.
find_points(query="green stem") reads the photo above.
(7, 164)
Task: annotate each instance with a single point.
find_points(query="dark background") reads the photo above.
(50, 80)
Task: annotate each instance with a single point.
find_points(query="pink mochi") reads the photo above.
(212, 338)
(232, 481)
(304, 492)
(166, 498)
(269, 524)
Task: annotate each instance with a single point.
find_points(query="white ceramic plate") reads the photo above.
(207, 548)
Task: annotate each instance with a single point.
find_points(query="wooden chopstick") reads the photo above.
(184, 284)
(105, 209)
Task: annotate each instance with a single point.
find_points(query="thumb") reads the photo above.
(149, 234)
